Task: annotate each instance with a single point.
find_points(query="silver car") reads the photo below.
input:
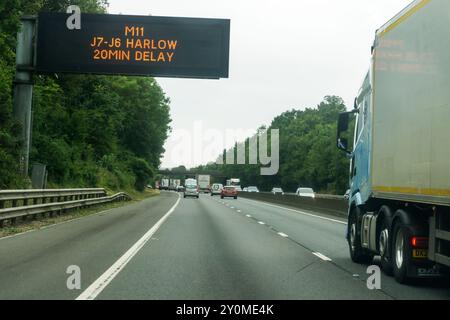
(191, 190)
(276, 191)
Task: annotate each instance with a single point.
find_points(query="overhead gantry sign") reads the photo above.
(134, 45)
(115, 45)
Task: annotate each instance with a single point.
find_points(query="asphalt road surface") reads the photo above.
(172, 248)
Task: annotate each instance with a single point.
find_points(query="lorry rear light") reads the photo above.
(419, 242)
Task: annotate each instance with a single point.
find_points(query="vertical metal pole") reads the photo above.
(23, 86)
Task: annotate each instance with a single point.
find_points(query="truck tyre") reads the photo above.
(235, 198)
(401, 252)
(221, 197)
(357, 253)
(385, 248)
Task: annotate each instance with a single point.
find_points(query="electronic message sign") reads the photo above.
(134, 45)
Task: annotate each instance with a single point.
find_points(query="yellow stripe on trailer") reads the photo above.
(404, 17)
(418, 191)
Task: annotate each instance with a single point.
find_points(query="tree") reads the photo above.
(89, 130)
(308, 156)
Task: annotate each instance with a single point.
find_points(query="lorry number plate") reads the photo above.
(420, 253)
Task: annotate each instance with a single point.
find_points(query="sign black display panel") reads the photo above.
(134, 45)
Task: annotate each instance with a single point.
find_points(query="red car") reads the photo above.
(229, 192)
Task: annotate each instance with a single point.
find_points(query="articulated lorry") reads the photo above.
(399, 204)
(164, 184)
(204, 183)
(174, 184)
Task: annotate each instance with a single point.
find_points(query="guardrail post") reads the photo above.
(2, 204)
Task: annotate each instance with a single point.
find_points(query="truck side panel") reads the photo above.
(411, 113)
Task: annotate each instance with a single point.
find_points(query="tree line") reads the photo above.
(308, 153)
(89, 130)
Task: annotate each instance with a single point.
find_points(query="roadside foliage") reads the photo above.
(89, 130)
(308, 153)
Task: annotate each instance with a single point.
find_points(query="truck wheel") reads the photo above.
(401, 252)
(235, 198)
(357, 253)
(221, 197)
(385, 248)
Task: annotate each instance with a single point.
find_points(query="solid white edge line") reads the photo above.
(284, 235)
(321, 256)
(262, 223)
(298, 211)
(98, 285)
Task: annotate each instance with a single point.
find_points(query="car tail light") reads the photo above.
(419, 242)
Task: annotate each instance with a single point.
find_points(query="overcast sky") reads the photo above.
(283, 54)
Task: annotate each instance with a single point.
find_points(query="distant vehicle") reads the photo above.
(190, 181)
(204, 183)
(171, 186)
(252, 189)
(180, 189)
(245, 189)
(191, 189)
(216, 189)
(238, 188)
(347, 194)
(229, 192)
(276, 191)
(399, 172)
(174, 183)
(305, 192)
(164, 184)
(235, 182)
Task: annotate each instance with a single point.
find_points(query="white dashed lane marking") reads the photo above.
(321, 256)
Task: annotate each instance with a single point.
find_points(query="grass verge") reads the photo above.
(41, 222)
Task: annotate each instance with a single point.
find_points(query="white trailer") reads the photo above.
(399, 206)
(204, 183)
(164, 184)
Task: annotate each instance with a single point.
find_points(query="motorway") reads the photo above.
(204, 248)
